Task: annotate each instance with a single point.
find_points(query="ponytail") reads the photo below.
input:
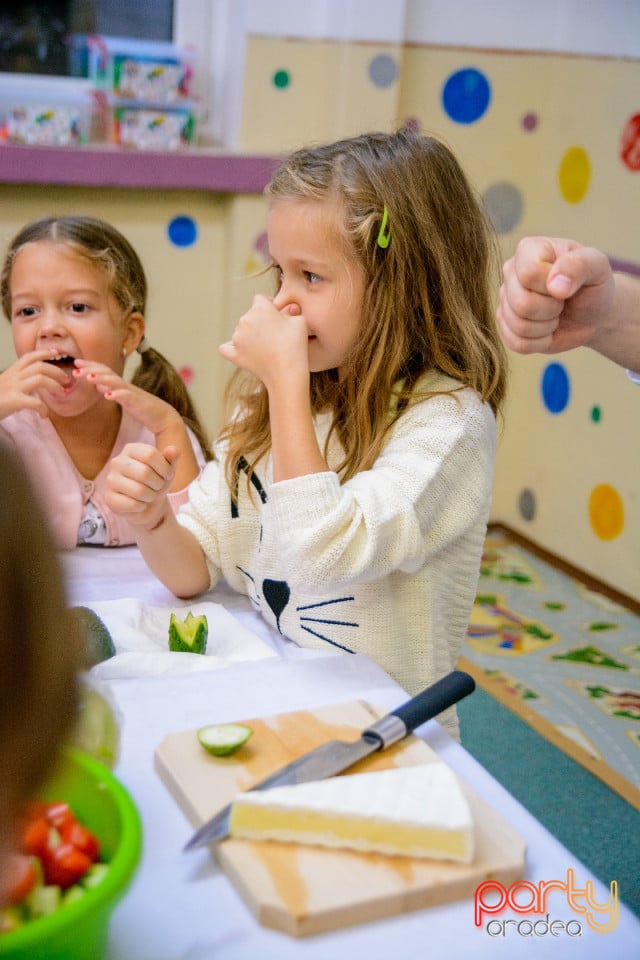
(157, 376)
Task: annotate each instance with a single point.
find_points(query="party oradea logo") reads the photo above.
(536, 905)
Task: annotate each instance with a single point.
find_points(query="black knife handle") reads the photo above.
(432, 701)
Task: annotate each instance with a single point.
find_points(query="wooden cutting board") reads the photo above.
(301, 889)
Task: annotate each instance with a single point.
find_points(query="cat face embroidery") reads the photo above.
(276, 594)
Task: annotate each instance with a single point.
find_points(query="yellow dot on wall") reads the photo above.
(574, 174)
(606, 512)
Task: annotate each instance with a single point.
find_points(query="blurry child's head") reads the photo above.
(41, 651)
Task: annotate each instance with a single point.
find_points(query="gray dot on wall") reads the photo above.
(503, 202)
(527, 505)
(383, 70)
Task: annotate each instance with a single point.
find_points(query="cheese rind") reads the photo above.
(406, 811)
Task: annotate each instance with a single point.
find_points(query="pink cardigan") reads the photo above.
(61, 488)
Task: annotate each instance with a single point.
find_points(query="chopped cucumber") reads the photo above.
(222, 739)
(71, 894)
(98, 641)
(43, 900)
(95, 873)
(188, 635)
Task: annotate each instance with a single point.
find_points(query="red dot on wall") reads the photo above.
(630, 143)
(187, 374)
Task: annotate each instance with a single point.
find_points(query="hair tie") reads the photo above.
(143, 346)
(384, 233)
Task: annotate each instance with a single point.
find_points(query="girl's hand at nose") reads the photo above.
(270, 343)
(22, 383)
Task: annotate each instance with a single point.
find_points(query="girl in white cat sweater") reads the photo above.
(352, 485)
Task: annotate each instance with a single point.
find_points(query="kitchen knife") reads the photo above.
(337, 755)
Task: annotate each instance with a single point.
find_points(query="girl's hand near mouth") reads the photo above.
(159, 417)
(22, 382)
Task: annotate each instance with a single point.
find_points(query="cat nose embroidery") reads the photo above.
(277, 594)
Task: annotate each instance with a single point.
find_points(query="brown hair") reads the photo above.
(41, 650)
(429, 295)
(105, 247)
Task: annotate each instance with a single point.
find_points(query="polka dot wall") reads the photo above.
(552, 143)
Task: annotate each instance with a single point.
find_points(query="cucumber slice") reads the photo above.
(222, 739)
(189, 635)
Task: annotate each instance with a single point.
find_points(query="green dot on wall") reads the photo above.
(596, 414)
(281, 79)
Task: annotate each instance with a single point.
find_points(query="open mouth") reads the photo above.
(62, 361)
(67, 364)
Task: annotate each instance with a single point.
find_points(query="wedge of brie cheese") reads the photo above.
(407, 811)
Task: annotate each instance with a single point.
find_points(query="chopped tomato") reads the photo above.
(59, 814)
(64, 865)
(22, 876)
(82, 839)
(35, 836)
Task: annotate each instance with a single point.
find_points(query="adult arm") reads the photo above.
(558, 295)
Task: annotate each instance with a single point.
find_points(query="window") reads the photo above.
(34, 34)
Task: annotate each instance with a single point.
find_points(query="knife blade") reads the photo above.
(335, 756)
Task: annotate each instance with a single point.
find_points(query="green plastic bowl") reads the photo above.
(79, 930)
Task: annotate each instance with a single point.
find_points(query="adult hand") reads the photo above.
(556, 295)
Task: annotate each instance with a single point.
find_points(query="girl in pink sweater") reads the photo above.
(74, 291)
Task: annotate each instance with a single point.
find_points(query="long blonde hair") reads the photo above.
(429, 295)
(110, 251)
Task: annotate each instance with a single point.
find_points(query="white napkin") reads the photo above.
(140, 634)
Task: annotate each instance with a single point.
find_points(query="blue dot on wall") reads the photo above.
(555, 388)
(183, 231)
(466, 95)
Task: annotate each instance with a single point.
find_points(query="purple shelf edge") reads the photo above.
(91, 167)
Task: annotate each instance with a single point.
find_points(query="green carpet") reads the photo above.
(563, 652)
(592, 821)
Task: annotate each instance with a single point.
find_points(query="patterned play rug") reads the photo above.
(562, 655)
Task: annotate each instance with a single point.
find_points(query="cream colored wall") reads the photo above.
(555, 461)
(195, 292)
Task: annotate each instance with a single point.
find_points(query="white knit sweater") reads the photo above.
(385, 564)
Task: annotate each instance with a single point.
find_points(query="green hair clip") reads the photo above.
(384, 233)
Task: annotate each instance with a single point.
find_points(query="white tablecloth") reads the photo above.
(182, 907)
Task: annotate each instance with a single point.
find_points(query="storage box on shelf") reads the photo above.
(144, 87)
(145, 126)
(47, 111)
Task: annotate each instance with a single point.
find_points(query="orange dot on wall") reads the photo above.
(606, 512)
